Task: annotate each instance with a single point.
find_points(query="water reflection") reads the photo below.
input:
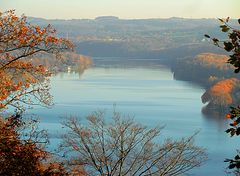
(151, 94)
(217, 117)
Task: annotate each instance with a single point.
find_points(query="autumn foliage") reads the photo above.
(221, 94)
(22, 82)
(77, 62)
(211, 60)
(22, 146)
(25, 156)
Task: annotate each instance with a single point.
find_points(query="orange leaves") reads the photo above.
(21, 78)
(22, 34)
(38, 30)
(52, 40)
(228, 116)
(41, 69)
(23, 157)
(23, 82)
(14, 18)
(212, 60)
(14, 86)
(4, 93)
(27, 85)
(2, 105)
(7, 83)
(221, 92)
(39, 33)
(224, 86)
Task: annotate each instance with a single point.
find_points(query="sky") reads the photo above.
(125, 9)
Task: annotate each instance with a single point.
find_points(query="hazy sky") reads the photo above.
(73, 9)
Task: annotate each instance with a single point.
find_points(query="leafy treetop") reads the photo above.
(22, 82)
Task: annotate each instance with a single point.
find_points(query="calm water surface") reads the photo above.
(151, 94)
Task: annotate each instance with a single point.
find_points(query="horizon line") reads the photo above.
(119, 18)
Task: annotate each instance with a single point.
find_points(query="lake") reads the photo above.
(151, 94)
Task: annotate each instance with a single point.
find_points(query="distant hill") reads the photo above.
(106, 18)
(111, 36)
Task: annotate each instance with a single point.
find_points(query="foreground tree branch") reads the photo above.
(126, 148)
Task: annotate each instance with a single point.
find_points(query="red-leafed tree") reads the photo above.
(21, 81)
(25, 155)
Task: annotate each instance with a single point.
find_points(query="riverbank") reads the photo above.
(212, 72)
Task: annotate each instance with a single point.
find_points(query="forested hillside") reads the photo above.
(111, 36)
(77, 62)
(214, 73)
(205, 68)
